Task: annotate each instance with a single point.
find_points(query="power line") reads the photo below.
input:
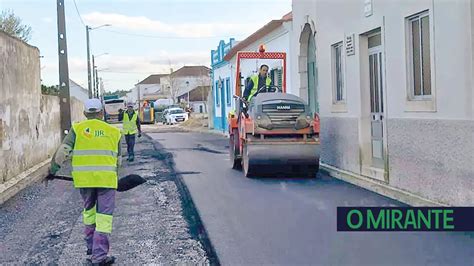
(126, 72)
(78, 13)
(167, 37)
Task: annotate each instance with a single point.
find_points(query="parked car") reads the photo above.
(163, 118)
(175, 115)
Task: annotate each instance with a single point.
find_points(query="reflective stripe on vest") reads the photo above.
(130, 125)
(93, 168)
(255, 88)
(95, 152)
(94, 159)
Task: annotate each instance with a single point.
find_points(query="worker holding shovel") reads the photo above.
(93, 146)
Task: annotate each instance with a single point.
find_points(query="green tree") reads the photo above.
(120, 93)
(13, 25)
(49, 90)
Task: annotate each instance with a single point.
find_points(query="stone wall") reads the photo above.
(29, 121)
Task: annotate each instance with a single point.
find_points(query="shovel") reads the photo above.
(124, 184)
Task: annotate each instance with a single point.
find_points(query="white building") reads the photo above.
(188, 78)
(221, 75)
(152, 85)
(77, 91)
(196, 99)
(394, 85)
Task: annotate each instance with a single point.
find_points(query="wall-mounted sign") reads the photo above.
(368, 8)
(350, 49)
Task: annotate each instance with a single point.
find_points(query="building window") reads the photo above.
(217, 88)
(338, 72)
(420, 63)
(227, 91)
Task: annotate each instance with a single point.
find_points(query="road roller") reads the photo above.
(275, 134)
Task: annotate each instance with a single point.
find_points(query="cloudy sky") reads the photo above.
(146, 36)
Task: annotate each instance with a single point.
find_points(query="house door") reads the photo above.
(312, 97)
(223, 103)
(376, 100)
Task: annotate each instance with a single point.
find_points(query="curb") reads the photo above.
(380, 188)
(21, 181)
(204, 130)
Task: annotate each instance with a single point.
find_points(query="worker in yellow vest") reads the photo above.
(256, 82)
(131, 126)
(93, 149)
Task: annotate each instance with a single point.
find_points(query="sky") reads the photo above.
(145, 37)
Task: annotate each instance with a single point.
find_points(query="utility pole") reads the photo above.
(94, 82)
(89, 62)
(64, 97)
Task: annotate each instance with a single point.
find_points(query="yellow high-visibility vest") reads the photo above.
(130, 125)
(255, 88)
(94, 158)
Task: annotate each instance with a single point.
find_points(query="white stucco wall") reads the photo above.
(452, 76)
(304, 11)
(428, 151)
(78, 92)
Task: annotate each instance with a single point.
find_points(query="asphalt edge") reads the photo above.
(23, 180)
(190, 211)
(379, 187)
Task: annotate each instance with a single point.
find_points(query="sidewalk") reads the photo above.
(19, 182)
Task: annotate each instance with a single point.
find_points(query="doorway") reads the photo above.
(376, 80)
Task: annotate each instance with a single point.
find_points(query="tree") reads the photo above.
(172, 84)
(49, 90)
(120, 93)
(12, 25)
(204, 82)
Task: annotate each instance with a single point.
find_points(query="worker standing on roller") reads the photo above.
(256, 82)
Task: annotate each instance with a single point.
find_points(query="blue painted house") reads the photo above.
(222, 77)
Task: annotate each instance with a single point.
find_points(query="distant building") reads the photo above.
(150, 87)
(77, 91)
(188, 78)
(197, 98)
(170, 86)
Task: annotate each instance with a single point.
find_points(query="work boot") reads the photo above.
(132, 158)
(107, 261)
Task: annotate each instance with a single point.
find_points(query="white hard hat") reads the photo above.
(129, 104)
(92, 105)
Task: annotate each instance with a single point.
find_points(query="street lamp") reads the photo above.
(187, 85)
(95, 78)
(89, 56)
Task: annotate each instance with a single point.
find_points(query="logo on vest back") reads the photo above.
(87, 133)
(97, 133)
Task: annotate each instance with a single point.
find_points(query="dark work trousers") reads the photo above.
(98, 202)
(130, 139)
